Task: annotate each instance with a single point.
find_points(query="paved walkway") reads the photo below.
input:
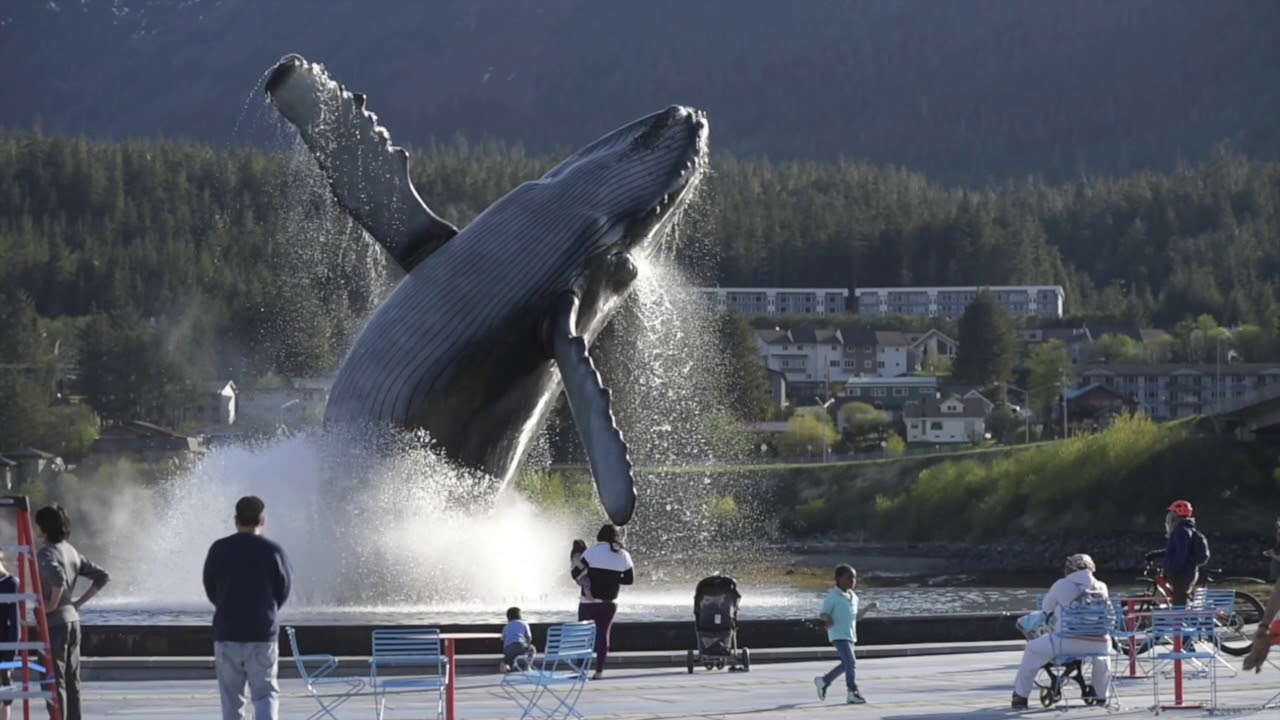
(958, 687)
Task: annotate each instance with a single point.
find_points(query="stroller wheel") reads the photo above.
(690, 659)
(746, 660)
(1046, 697)
(720, 664)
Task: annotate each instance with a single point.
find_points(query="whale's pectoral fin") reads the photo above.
(369, 176)
(589, 400)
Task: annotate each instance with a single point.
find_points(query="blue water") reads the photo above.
(635, 604)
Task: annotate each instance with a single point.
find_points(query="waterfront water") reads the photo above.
(668, 603)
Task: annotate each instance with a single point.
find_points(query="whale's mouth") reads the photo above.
(651, 224)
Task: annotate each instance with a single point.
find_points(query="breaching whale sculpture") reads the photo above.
(488, 322)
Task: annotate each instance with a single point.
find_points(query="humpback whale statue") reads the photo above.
(489, 321)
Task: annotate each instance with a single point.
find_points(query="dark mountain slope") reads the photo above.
(962, 90)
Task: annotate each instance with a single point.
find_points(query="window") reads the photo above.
(935, 425)
(899, 392)
(852, 364)
(835, 363)
(880, 364)
(866, 363)
(878, 392)
(854, 392)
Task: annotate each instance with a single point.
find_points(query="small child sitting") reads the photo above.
(517, 643)
(582, 578)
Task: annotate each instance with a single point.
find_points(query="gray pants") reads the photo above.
(65, 642)
(247, 663)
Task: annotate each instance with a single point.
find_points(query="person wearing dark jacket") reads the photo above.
(608, 565)
(1180, 566)
(247, 578)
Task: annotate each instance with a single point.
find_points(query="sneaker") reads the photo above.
(822, 687)
(1019, 702)
(855, 698)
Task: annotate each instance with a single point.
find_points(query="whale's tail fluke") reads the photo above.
(368, 175)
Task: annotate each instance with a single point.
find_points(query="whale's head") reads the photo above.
(627, 187)
(636, 178)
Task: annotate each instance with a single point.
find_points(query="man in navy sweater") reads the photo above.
(247, 578)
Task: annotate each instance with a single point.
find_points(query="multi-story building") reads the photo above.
(860, 345)
(953, 420)
(950, 302)
(892, 393)
(810, 360)
(1169, 391)
(813, 361)
(779, 301)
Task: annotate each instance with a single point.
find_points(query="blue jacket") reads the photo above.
(1177, 554)
(247, 578)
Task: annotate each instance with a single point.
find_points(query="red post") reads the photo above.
(1132, 625)
(1133, 641)
(1177, 673)
(1177, 667)
(453, 673)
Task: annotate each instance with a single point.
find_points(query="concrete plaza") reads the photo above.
(969, 686)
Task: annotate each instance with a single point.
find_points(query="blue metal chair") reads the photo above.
(1123, 637)
(1226, 619)
(1186, 624)
(1079, 622)
(562, 675)
(408, 649)
(318, 680)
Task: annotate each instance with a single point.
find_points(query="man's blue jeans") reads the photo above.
(845, 649)
(252, 665)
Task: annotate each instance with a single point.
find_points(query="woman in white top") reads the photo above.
(608, 566)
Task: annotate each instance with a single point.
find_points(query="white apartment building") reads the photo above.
(779, 301)
(950, 302)
(814, 359)
(1168, 391)
(810, 360)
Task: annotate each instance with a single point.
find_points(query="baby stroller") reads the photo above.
(715, 623)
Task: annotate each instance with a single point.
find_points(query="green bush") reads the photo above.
(557, 492)
(895, 445)
(1106, 483)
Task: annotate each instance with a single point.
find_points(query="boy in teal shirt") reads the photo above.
(840, 615)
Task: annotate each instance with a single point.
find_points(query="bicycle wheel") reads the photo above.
(1236, 632)
(1141, 624)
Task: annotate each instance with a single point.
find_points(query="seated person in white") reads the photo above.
(1078, 585)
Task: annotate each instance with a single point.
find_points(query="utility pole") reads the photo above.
(1217, 390)
(1066, 425)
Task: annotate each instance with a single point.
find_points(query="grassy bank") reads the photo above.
(1112, 483)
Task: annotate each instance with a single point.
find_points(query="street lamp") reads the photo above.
(824, 406)
(1026, 408)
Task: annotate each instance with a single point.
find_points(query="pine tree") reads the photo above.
(987, 341)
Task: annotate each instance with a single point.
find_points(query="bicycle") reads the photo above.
(1236, 631)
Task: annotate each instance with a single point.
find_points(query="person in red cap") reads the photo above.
(1186, 551)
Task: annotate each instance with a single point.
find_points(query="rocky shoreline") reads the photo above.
(1235, 555)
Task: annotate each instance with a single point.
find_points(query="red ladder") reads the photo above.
(27, 595)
